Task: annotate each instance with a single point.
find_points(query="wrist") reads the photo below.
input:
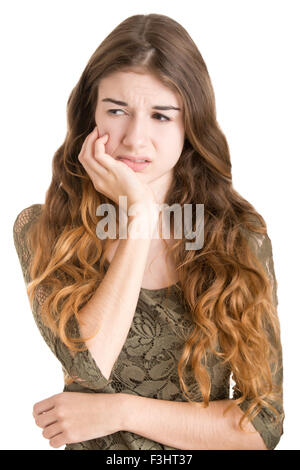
(142, 221)
(143, 208)
(122, 403)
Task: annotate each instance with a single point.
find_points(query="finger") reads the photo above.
(52, 430)
(43, 406)
(99, 153)
(90, 145)
(91, 135)
(94, 168)
(58, 441)
(46, 418)
(98, 175)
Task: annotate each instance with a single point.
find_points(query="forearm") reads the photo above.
(113, 305)
(184, 425)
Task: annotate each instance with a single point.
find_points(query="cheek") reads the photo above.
(105, 125)
(171, 147)
(112, 129)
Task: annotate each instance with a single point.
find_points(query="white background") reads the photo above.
(250, 49)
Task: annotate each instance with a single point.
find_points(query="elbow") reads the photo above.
(261, 433)
(269, 438)
(261, 445)
(271, 434)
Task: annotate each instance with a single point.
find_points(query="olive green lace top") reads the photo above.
(147, 364)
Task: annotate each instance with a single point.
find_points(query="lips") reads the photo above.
(135, 166)
(133, 159)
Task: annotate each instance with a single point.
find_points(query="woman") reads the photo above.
(148, 347)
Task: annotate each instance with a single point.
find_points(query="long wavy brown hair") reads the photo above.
(224, 286)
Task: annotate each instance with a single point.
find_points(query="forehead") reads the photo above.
(130, 86)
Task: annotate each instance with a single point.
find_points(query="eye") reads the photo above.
(161, 115)
(112, 111)
(165, 118)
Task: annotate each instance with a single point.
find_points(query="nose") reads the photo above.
(136, 133)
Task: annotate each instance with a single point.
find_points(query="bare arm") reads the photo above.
(113, 305)
(187, 425)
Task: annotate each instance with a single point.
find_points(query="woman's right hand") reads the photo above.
(112, 177)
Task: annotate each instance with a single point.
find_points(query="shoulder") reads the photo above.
(260, 244)
(21, 226)
(26, 217)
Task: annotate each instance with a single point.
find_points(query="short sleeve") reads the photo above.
(81, 366)
(264, 422)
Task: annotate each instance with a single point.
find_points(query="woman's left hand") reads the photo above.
(70, 417)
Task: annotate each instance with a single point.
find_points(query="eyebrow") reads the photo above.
(122, 103)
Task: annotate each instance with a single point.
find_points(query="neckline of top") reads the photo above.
(162, 289)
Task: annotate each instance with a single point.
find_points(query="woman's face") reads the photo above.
(138, 130)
